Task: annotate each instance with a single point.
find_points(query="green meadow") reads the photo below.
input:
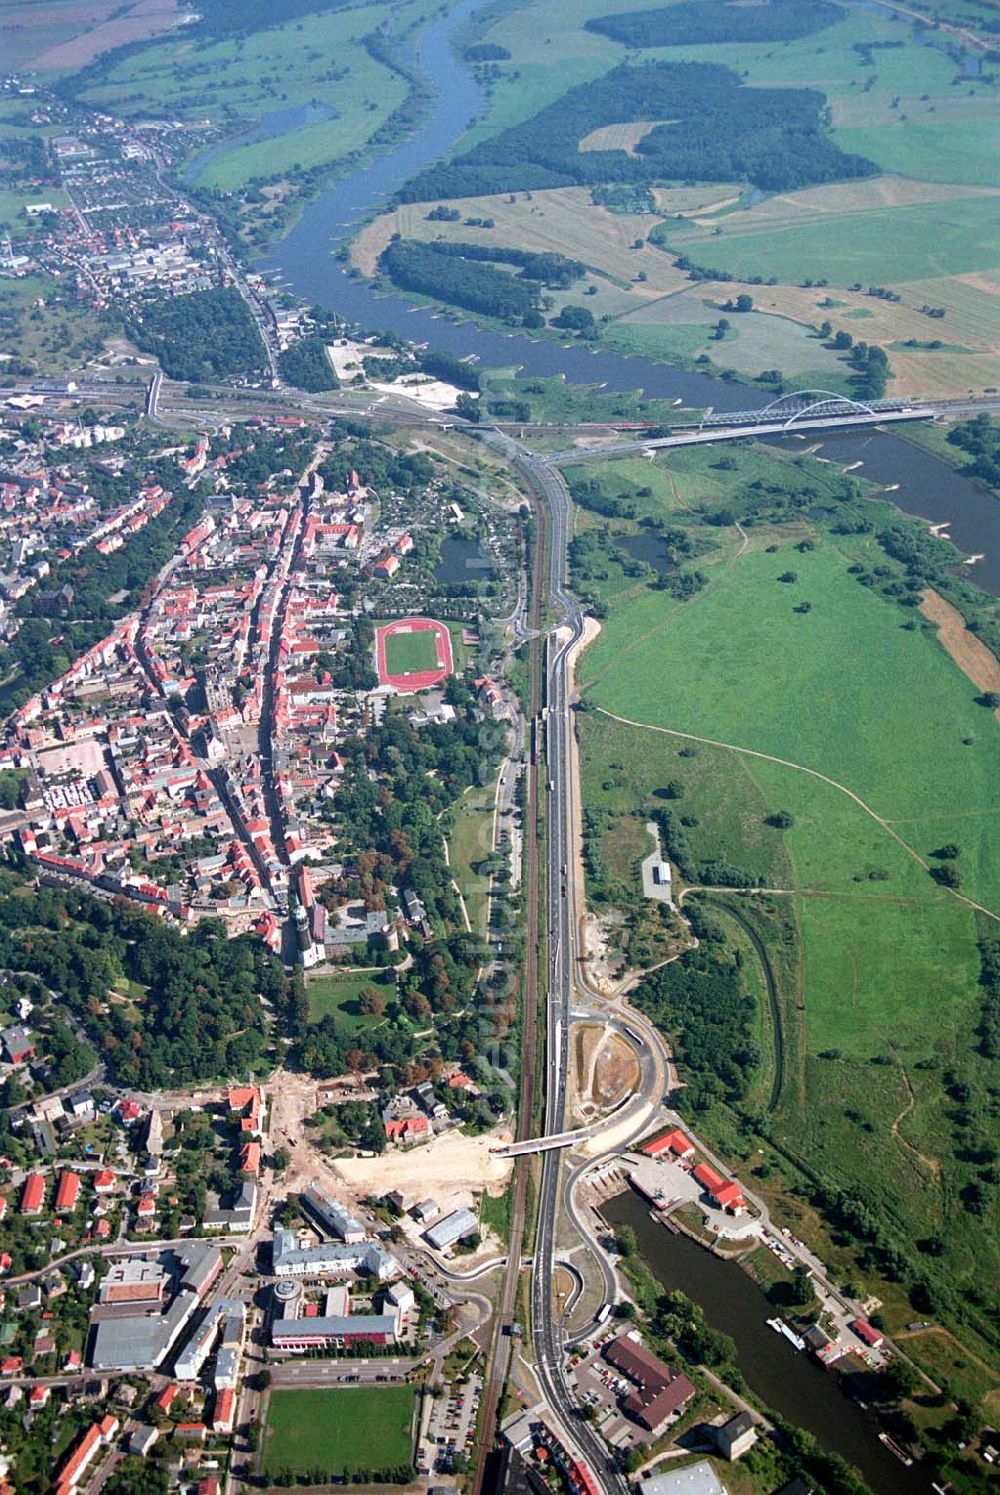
(845, 245)
(789, 684)
(876, 963)
(337, 996)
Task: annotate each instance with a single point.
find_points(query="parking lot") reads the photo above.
(450, 1425)
(601, 1387)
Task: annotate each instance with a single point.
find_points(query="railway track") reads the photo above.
(501, 1345)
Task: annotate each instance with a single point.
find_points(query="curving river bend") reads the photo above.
(305, 261)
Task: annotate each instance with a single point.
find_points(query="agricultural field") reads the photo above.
(60, 34)
(745, 714)
(343, 1433)
(909, 100)
(840, 233)
(563, 220)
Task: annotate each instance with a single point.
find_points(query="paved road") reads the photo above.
(560, 909)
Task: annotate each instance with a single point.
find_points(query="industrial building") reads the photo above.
(334, 1217)
(457, 1226)
(129, 1336)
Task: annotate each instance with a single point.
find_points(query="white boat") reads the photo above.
(780, 1327)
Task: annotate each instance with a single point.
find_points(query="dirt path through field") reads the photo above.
(813, 773)
(932, 1164)
(976, 662)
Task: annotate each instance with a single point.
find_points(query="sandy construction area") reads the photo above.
(449, 1164)
(347, 357)
(432, 394)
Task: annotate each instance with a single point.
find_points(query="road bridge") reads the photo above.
(542, 1144)
(785, 417)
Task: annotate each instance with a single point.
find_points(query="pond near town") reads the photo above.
(463, 560)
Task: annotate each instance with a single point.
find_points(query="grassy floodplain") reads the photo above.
(886, 757)
(343, 1433)
(318, 59)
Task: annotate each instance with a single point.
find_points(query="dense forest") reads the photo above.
(207, 335)
(434, 270)
(220, 18)
(306, 365)
(200, 1015)
(695, 21)
(700, 1003)
(720, 131)
(980, 438)
(466, 275)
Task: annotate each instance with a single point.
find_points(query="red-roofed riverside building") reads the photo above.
(727, 1194)
(673, 1142)
(867, 1333)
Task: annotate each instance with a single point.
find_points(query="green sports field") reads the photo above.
(411, 653)
(342, 1432)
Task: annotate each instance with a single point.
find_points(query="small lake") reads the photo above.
(277, 122)
(788, 1380)
(463, 560)
(649, 548)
